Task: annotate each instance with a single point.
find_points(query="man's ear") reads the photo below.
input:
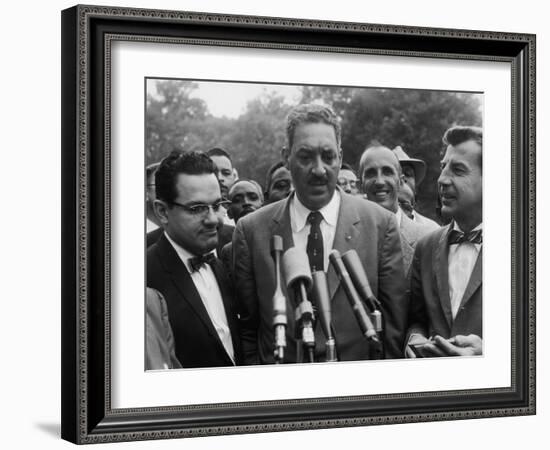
(161, 211)
(235, 174)
(285, 155)
(230, 213)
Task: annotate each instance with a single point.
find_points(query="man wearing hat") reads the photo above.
(414, 171)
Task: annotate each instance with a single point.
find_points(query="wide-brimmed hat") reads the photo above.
(418, 165)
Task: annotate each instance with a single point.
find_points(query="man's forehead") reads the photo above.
(308, 131)
(380, 157)
(221, 161)
(348, 174)
(407, 167)
(468, 151)
(281, 172)
(243, 187)
(202, 187)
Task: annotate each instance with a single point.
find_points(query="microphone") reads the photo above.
(298, 278)
(359, 277)
(363, 319)
(321, 295)
(279, 302)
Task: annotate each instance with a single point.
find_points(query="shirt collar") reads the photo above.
(299, 212)
(399, 216)
(457, 228)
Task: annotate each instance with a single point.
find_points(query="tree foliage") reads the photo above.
(413, 119)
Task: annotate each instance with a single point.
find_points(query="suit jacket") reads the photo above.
(430, 303)
(429, 224)
(197, 343)
(410, 233)
(362, 225)
(225, 234)
(153, 236)
(159, 339)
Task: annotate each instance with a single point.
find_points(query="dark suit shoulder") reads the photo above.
(265, 213)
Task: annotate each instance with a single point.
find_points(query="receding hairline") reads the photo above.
(372, 148)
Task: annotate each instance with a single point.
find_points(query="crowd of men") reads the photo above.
(212, 274)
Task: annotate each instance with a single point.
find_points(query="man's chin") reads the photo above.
(315, 202)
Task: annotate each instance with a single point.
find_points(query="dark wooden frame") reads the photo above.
(87, 31)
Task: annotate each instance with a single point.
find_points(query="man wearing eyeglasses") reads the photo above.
(183, 267)
(347, 180)
(381, 180)
(316, 218)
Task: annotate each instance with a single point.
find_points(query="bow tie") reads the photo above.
(198, 261)
(458, 237)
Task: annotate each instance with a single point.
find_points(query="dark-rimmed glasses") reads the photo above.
(202, 209)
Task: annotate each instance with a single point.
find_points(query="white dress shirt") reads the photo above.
(462, 259)
(398, 217)
(151, 226)
(209, 292)
(300, 226)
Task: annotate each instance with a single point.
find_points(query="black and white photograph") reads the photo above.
(292, 223)
(278, 224)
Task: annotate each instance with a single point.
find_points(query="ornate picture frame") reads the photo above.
(88, 34)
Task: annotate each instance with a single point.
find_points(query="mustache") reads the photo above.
(246, 210)
(317, 180)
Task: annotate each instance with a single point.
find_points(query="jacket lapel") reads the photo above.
(441, 265)
(408, 239)
(184, 283)
(281, 227)
(281, 224)
(475, 279)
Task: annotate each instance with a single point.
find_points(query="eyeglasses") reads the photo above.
(345, 182)
(202, 209)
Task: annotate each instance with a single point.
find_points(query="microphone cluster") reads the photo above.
(294, 265)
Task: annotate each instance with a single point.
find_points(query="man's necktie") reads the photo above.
(458, 237)
(315, 242)
(198, 261)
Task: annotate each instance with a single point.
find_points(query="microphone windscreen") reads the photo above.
(357, 273)
(296, 268)
(276, 243)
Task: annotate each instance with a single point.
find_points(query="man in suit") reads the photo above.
(246, 197)
(226, 173)
(316, 218)
(347, 180)
(381, 179)
(159, 338)
(183, 268)
(445, 314)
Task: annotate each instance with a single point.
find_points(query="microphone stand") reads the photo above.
(279, 304)
(298, 278)
(361, 283)
(320, 289)
(304, 320)
(367, 328)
